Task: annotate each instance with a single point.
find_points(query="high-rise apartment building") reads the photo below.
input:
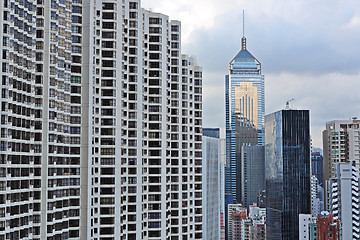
(287, 172)
(317, 197)
(211, 183)
(236, 214)
(101, 123)
(245, 110)
(42, 140)
(317, 167)
(344, 198)
(340, 143)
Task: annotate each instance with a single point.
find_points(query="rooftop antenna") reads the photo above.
(243, 23)
(287, 107)
(243, 40)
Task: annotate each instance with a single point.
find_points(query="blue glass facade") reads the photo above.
(245, 110)
(287, 172)
(317, 167)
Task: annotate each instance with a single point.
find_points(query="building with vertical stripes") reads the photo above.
(245, 111)
(101, 123)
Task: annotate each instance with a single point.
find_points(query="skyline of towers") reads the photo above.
(101, 123)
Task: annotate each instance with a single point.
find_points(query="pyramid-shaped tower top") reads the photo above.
(244, 62)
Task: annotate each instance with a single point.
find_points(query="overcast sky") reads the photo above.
(309, 50)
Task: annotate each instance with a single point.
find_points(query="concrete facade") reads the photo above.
(344, 198)
(101, 123)
(211, 183)
(252, 173)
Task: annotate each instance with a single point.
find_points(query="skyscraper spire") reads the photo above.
(243, 40)
(243, 23)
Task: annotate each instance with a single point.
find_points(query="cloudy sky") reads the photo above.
(309, 50)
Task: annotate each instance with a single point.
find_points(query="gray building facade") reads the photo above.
(252, 173)
(211, 183)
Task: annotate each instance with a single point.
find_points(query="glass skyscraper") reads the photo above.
(245, 110)
(287, 172)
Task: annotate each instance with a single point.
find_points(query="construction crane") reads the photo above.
(287, 107)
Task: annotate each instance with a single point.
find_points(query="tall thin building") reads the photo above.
(317, 168)
(341, 144)
(287, 173)
(245, 110)
(344, 198)
(211, 183)
(101, 123)
(317, 197)
(222, 183)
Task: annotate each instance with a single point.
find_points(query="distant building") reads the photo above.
(257, 213)
(246, 225)
(317, 168)
(340, 143)
(258, 231)
(327, 228)
(211, 183)
(258, 218)
(344, 198)
(245, 110)
(222, 226)
(222, 183)
(287, 173)
(261, 199)
(304, 226)
(236, 213)
(252, 173)
(317, 197)
(312, 231)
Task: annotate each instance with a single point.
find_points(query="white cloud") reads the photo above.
(194, 15)
(353, 24)
(308, 49)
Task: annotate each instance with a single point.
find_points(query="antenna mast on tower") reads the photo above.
(243, 40)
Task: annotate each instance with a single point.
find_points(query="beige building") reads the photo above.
(340, 144)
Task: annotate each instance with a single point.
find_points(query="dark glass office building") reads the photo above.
(317, 167)
(287, 173)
